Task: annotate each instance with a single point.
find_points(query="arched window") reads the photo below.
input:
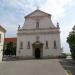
(21, 45)
(37, 24)
(55, 46)
(47, 44)
(28, 46)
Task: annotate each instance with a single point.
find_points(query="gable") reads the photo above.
(37, 13)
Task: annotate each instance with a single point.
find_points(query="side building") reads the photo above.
(10, 46)
(2, 36)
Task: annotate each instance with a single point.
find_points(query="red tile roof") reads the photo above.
(14, 40)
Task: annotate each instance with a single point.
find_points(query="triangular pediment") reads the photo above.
(38, 13)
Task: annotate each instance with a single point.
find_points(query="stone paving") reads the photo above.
(32, 67)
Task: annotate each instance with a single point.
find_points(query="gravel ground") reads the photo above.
(68, 65)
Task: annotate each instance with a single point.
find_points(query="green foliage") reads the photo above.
(10, 49)
(63, 55)
(71, 42)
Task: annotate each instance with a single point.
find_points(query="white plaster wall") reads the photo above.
(1, 45)
(24, 52)
(44, 22)
(43, 38)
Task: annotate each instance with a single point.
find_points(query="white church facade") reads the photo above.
(38, 38)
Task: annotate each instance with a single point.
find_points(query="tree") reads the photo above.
(10, 49)
(71, 42)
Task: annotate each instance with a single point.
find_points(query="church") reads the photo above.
(38, 37)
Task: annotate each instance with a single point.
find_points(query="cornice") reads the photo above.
(54, 28)
(34, 33)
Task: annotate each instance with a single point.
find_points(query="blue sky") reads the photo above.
(12, 14)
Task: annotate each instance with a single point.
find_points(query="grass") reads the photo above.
(65, 67)
(69, 73)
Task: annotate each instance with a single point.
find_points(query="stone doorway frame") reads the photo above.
(39, 45)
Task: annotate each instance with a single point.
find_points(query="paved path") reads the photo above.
(32, 67)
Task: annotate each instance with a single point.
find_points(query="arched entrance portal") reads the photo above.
(37, 49)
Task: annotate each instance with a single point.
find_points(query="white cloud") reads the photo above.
(55, 7)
